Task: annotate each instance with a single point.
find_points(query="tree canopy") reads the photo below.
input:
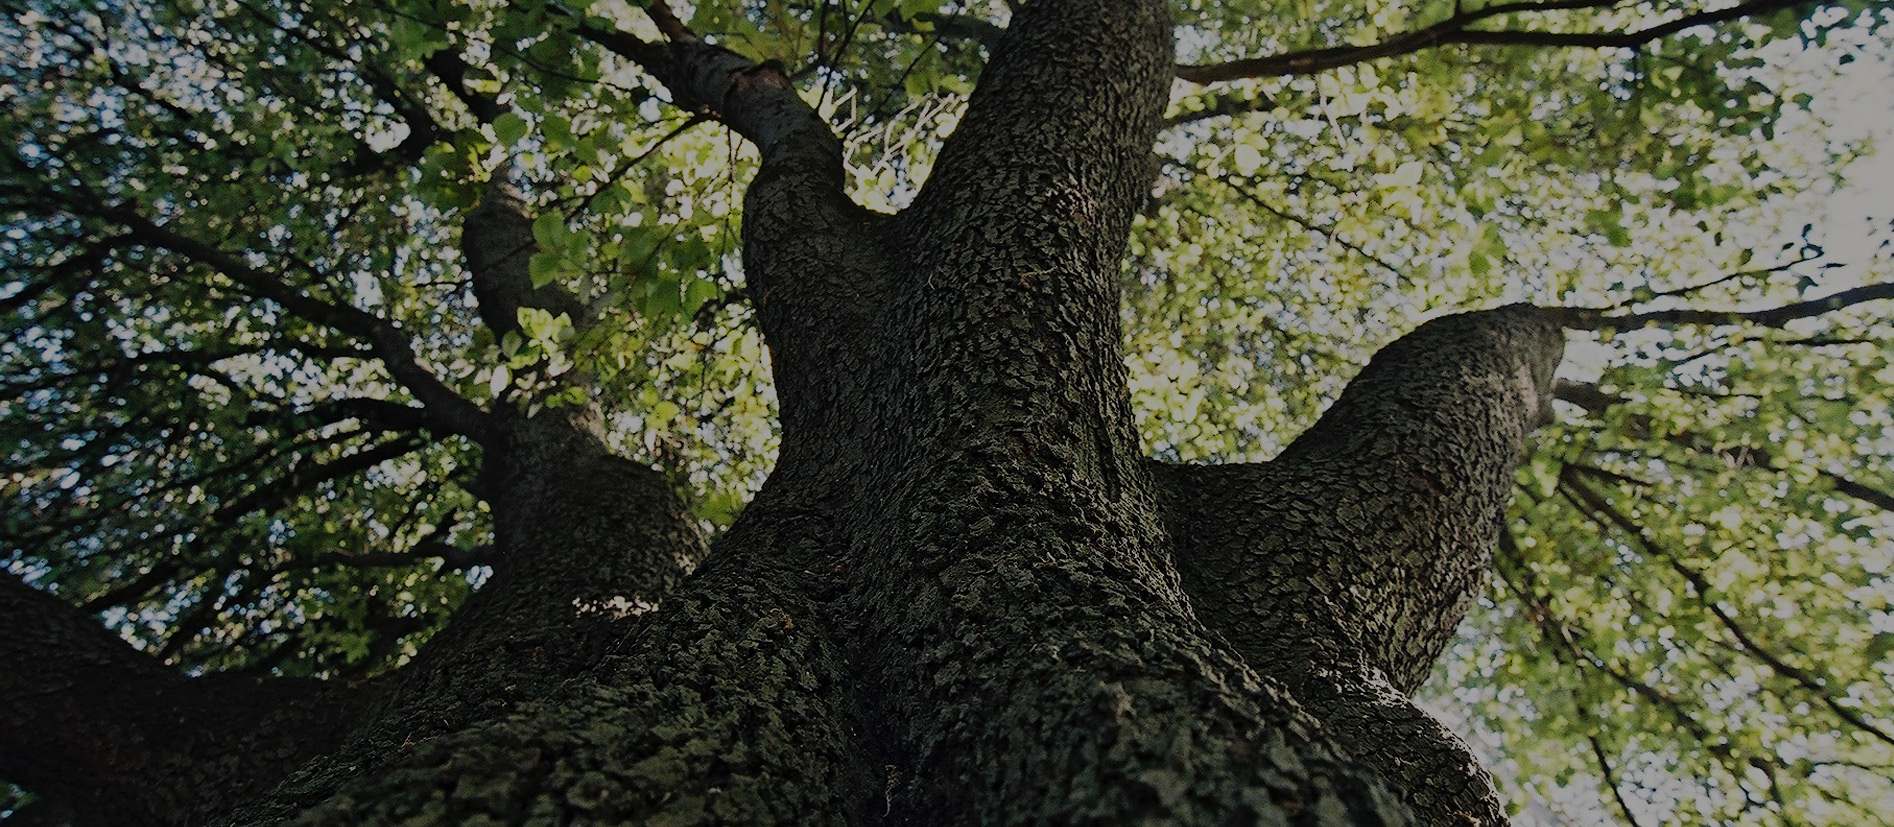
(243, 354)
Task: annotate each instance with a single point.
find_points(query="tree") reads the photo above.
(387, 378)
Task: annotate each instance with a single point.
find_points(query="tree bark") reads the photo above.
(107, 735)
(587, 543)
(963, 595)
(1343, 566)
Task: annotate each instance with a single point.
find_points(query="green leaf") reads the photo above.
(545, 268)
(697, 292)
(508, 128)
(551, 232)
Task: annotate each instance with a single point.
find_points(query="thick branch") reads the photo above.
(89, 722)
(1343, 566)
(755, 99)
(812, 257)
(373, 414)
(1054, 150)
(1457, 30)
(585, 542)
(497, 239)
(451, 69)
(729, 709)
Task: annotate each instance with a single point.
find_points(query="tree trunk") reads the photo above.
(964, 596)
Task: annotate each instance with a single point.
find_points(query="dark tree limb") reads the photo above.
(1343, 566)
(1564, 641)
(1603, 511)
(302, 479)
(1610, 778)
(423, 129)
(88, 722)
(1596, 401)
(813, 258)
(497, 240)
(1605, 319)
(585, 543)
(453, 558)
(190, 361)
(451, 69)
(373, 414)
(454, 413)
(725, 709)
(1036, 161)
(1458, 30)
(947, 27)
(754, 99)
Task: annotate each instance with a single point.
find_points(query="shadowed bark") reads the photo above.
(963, 595)
(89, 723)
(1343, 566)
(586, 541)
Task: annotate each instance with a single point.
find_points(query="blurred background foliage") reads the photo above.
(1689, 623)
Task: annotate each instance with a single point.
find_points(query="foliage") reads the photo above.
(212, 209)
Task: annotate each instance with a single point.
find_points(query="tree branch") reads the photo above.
(811, 255)
(373, 414)
(754, 99)
(1245, 190)
(423, 130)
(301, 480)
(1431, 431)
(1603, 511)
(454, 413)
(1575, 318)
(451, 69)
(497, 240)
(1343, 566)
(1611, 779)
(1457, 30)
(1595, 401)
(1056, 140)
(952, 27)
(87, 721)
(452, 557)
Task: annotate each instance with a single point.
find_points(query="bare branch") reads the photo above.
(455, 413)
(1595, 401)
(1457, 30)
(1576, 318)
(452, 557)
(1245, 189)
(1607, 514)
(301, 480)
(1611, 779)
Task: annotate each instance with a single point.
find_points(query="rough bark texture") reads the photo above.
(963, 596)
(1343, 566)
(108, 736)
